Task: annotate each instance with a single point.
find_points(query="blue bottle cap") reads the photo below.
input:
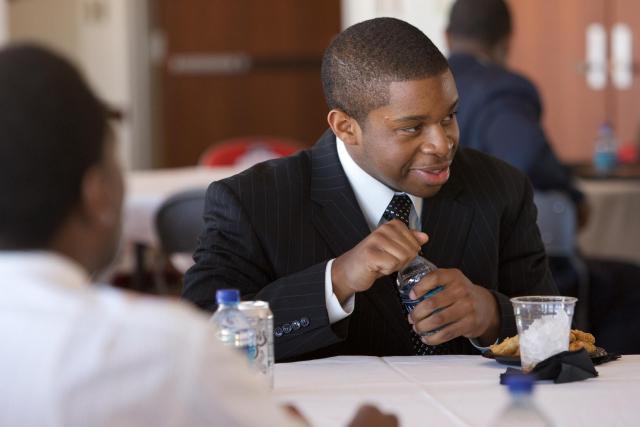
(226, 296)
(520, 383)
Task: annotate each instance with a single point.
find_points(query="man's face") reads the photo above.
(409, 144)
(112, 196)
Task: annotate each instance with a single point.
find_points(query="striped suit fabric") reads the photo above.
(271, 229)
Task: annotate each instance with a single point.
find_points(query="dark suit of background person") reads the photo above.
(500, 114)
(271, 230)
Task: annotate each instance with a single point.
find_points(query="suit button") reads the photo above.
(295, 325)
(286, 328)
(277, 331)
(304, 322)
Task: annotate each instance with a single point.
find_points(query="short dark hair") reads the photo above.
(364, 59)
(487, 21)
(52, 130)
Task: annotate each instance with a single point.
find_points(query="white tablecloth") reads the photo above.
(451, 391)
(613, 230)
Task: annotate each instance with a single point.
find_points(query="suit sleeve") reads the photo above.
(523, 268)
(513, 133)
(230, 255)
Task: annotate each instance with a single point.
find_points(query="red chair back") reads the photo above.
(247, 150)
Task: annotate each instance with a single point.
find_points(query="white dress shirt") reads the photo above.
(81, 355)
(373, 197)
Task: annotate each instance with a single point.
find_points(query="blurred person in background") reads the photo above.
(80, 355)
(500, 111)
(500, 114)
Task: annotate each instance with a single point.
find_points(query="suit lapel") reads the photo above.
(447, 218)
(339, 220)
(336, 214)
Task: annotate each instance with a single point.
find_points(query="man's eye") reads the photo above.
(449, 118)
(414, 129)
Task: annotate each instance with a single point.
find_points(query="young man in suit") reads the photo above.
(80, 355)
(315, 235)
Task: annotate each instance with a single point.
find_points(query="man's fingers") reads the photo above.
(441, 317)
(370, 416)
(447, 332)
(383, 262)
(439, 277)
(403, 251)
(397, 232)
(295, 413)
(421, 237)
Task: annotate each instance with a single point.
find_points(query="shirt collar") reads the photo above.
(43, 267)
(372, 195)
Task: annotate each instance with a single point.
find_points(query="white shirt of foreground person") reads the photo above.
(74, 354)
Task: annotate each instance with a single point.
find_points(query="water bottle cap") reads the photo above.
(520, 383)
(605, 128)
(225, 296)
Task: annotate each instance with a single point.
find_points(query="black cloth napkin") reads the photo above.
(564, 367)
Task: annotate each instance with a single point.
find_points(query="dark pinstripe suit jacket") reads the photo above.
(271, 230)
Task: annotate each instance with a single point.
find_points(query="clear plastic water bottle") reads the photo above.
(232, 327)
(409, 277)
(521, 410)
(605, 155)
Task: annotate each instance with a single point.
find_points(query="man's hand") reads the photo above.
(370, 416)
(386, 250)
(294, 412)
(465, 309)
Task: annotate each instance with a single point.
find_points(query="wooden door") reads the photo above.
(549, 46)
(239, 68)
(626, 101)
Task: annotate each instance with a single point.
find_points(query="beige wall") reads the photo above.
(104, 38)
(49, 22)
(429, 15)
(4, 21)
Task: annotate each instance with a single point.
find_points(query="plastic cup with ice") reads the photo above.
(544, 323)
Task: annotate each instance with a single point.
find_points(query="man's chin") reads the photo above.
(428, 191)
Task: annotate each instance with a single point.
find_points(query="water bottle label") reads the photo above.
(252, 352)
(410, 304)
(604, 161)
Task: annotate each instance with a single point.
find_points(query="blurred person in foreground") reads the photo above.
(320, 235)
(74, 354)
(500, 113)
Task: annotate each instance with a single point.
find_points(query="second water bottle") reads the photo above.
(232, 327)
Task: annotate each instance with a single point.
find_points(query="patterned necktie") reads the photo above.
(400, 208)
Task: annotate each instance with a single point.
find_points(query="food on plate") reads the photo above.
(577, 340)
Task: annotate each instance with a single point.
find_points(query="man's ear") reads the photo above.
(344, 127)
(96, 200)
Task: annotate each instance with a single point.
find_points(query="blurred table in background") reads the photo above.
(450, 391)
(613, 229)
(622, 171)
(145, 193)
(147, 190)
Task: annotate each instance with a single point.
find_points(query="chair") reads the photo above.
(179, 221)
(247, 151)
(558, 228)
